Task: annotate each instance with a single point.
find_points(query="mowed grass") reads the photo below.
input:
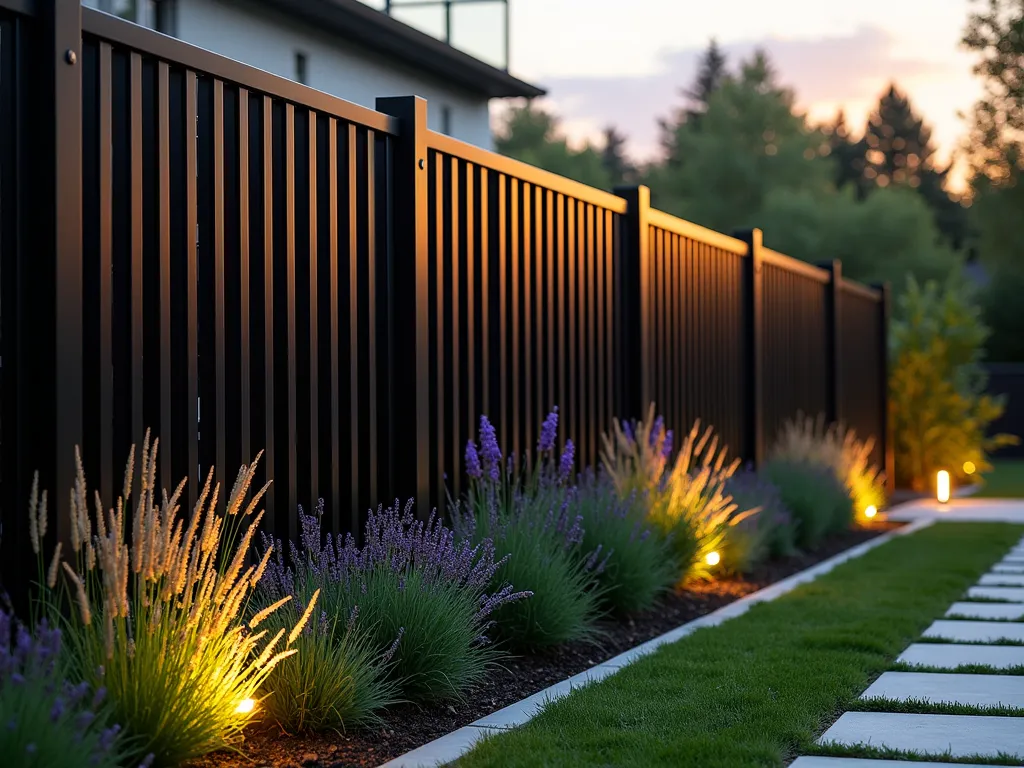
(757, 690)
(1006, 480)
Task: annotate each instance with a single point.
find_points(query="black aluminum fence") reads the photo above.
(239, 262)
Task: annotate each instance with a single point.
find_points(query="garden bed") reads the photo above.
(407, 727)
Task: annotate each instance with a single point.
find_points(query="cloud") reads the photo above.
(851, 68)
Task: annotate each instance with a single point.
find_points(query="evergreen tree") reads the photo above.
(711, 75)
(748, 143)
(848, 155)
(899, 152)
(995, 33)
(533, 135)
(899, 148)
(613, 157)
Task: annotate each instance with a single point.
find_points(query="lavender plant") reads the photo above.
(528, 517)
(769, 534)
(423, 599)
(49, 722)
(157, 610)
(638, 565)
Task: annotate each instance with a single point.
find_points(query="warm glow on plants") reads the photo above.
(686, 499)
(245, 706)
(942, 486)
(159, 603)
(712, 558)
(838, 448)
(969, 468)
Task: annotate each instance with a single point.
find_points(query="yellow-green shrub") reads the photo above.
(808, 440)
(938, 406)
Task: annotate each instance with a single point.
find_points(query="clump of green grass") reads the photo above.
(338, 681)
(820, 504)
(158, 610)
(807, 440)
(760, 688)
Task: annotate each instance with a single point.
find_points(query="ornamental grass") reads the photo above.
(804, 439)
(686, 499)
(156, 609)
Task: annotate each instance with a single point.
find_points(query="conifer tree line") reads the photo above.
(737, 152)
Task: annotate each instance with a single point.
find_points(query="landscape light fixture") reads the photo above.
(871, 511)
(712, 558)
(245, 706)
(942, 486)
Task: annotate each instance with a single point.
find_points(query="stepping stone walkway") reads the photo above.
(975, 633)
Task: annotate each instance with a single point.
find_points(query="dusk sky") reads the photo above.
(624, 61)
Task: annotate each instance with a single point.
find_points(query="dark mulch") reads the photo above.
(407, 727)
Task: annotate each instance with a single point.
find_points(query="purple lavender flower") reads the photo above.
(489, 450)
(473, 468)
(656, 430)
(29, 659)
(666, 449)
(566, 462)
(421, 552)
(627, 430)
(548, 432)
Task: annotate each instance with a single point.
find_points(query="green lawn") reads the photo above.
(757, 690)
(1007, 480)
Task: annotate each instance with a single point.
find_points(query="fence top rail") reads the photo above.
(524, 172)
(112, 29)
(858, 289)
(688, 229)
(802, 268)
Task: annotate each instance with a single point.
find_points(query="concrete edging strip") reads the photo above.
(455, 744)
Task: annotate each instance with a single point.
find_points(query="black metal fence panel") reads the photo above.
(235, 294)
(240, 263)
(697, 364)
(796, 343)
(862, 365)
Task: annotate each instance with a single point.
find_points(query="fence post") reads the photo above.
(42, 312)
(887, 440)
(753, 324)
(408, 302)
(632, 297)
(833, 340)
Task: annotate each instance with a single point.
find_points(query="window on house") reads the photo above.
(165, 16)
(126, 9)
(446, 120)
(300, 68)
